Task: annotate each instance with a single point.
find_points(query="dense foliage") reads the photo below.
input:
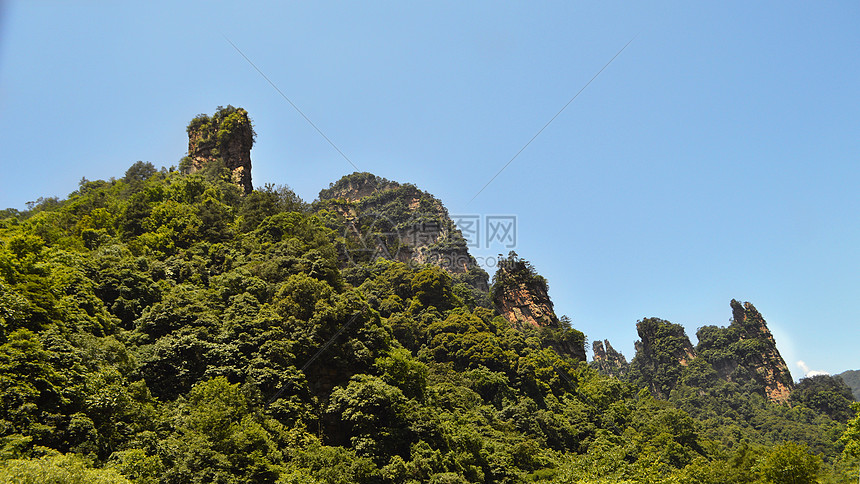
(212, 136)
(825, 394)
(852, 379)
(514, 271)
(661, 356)
(161, 328)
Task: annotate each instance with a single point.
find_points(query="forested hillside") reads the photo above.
(166, 327)
(852, 379)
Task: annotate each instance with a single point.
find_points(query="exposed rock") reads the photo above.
(745, 352)
(607, 361)
(227, 137)
(661, 354)
(522, 297)
(399, 222)
(769, 364)
(762, 359)
(529, 305)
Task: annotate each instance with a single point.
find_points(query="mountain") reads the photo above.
(521, 296)
(744, 353)
(609, 362)
(661, 354)
(174, 326)
(852, 379)
(381, 218)
(223, 140)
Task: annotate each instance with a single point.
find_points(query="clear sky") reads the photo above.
(715, 158)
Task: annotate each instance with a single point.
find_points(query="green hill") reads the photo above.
(168, 327)
(852, 379)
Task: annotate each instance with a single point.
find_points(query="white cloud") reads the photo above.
(807, 372)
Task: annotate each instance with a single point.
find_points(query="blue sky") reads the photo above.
(716, 158)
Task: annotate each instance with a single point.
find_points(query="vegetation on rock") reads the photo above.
(221, 141)
(163, 328)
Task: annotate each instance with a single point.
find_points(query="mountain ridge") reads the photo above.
(173, 327)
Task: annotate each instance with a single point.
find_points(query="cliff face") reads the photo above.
(227, 136)
(399, 222)
(607, 361)
(661, 354)
(522, 297)
(527, 304)
(745, 352)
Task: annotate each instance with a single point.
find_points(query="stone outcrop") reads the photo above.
(527, 304)
(745, 352)
(383, 218)
(522, 297)
(661, 355)
(671, 339)
(225, 137)
(607, 361)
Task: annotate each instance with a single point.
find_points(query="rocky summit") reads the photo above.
(743, 353)
(380, 218)
(226, 138)
(176, 326)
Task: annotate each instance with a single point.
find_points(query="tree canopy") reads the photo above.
(162, 328)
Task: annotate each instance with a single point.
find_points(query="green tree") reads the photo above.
(432, 287)
(140, 172)
(400, 369)
(789, 463)
(57, 469)
(29, 385)
(826, 394)
(851, 438)
(217, 437)
(373, 414)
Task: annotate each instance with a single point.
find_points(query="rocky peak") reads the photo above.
(671, 339)
(521, 295)
(661, 354)
(749, 321)
(607, 361)
(226, 137)
(745, 352)
(383, 218)
(765, 362)
(357, 186)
